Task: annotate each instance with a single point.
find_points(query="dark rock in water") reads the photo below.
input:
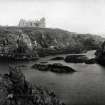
(15, 90)
(44, 62)
(56, 67)
(41, 66)
(91, 61)
(57, 64)
(100, 54)
(76, 58)
(59, 68)
(58, 58)
(5, 88)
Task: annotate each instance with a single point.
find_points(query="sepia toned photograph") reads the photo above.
(52, 52)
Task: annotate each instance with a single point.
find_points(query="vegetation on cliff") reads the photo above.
(46, 41)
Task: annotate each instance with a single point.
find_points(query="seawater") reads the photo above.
(84, 87)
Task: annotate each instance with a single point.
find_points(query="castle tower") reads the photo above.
(42, 22)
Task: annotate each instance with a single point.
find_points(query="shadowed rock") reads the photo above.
(56, 67)
(80, 59)
(76, 58)
(15, 90)
(91, 61)
(58, 58)
(100, 54)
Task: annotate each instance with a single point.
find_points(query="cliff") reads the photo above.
(16, 90)
(100, 54)
(46, 41)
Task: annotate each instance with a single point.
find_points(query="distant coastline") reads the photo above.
(32, 42)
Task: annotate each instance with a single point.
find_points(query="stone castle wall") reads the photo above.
(38, 23)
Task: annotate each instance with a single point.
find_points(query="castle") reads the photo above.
(37, 23)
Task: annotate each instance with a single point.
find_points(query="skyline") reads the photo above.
(81, 16)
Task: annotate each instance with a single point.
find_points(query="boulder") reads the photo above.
(76, 58)
(5, 88)
(56, 67)
(100, 54)
(44, 62)
(91, 61)
(59, 68)
(58, 58)
(41, 66)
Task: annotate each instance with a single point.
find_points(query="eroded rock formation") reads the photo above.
(16, 90)
(100, 54)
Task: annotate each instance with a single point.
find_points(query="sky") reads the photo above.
(81, 16)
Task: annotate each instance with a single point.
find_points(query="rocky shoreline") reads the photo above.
(15, 90)
(79, 59)
(31, 41)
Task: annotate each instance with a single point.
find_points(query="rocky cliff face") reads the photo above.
(46, 41)
(100, 54)
(24, 42)
(16, 90)
(15, 43)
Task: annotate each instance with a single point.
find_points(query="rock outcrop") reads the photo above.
(58, 58)
(79, 59)
(56, 67)
(15, 90)
(91, 61)
(100, 54)
(45, 41)
(76, 58)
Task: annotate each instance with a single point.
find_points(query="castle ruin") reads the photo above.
(37, 23)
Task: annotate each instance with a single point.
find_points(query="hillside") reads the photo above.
(47, 41)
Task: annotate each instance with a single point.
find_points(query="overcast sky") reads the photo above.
(82, 16)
